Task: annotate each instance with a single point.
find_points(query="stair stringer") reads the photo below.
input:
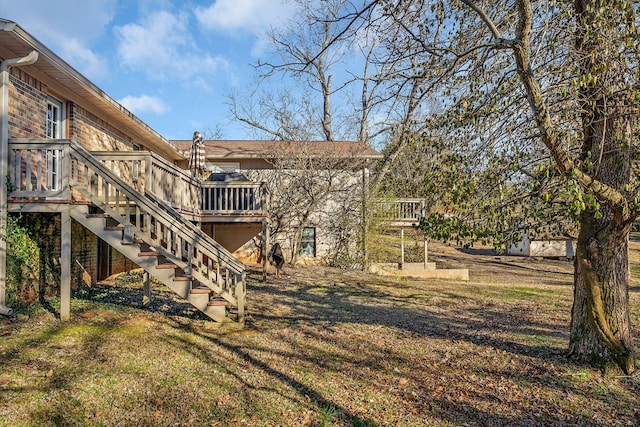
(148, 219)
(149, 263)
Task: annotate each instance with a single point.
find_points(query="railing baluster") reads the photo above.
(40, 186)
(29, 167)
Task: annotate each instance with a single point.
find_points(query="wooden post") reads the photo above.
(365, 255)
(426, 250)
(265, 248)
(241, 295)
(65, 266)
(402, 249)
(146, 289)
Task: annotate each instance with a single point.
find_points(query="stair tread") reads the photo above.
(218, 302)
(148, 253)
(98, 215)
(182, 278)
(114, 228)
(167, 266)
(200, 290)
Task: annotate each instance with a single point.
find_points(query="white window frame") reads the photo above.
(54, 156)
(314, 243)
(57, 122)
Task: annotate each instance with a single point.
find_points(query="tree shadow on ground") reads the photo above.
(324, 305)
(478, 251)
(163, 300)
(412, 313)
(303, 394)
(322, 301)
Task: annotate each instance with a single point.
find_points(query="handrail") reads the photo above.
(146, 171)
(399, 209)
(168, 216)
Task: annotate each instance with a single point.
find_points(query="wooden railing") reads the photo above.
(204, 259)
(38, 170)
(233, 198)
(409, 210)
(148, 172)
(63, 168)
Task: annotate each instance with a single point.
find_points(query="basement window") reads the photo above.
(308, 242)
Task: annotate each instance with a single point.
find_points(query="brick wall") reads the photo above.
(27, 106)
(94, 133)
(84, 255)
(120, 263)
(27, 119)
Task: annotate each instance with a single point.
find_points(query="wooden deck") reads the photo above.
(399, 213)
(136, 195)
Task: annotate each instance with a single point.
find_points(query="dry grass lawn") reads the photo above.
(322, 347)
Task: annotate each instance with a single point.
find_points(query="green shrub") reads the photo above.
(23, 265)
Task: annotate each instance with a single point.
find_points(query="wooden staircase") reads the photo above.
(163, 266)
(138, 224)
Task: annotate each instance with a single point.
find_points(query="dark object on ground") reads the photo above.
(276, 258)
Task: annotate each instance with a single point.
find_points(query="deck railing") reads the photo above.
(37, 170)
(407, 210)
(148, 172)
(233, 198)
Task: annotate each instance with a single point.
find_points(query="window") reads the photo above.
(224, 167)
(54, 130)
(308, 242)
(54, 119)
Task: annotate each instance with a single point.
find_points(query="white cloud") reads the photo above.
(92, 65)
(75, 19)
(161, 46)
(67, 27)
(144, 104)
(249, 16)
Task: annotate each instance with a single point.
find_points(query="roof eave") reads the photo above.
(83, 89)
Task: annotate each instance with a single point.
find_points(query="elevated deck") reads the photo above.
(399, 213)
(129, 201)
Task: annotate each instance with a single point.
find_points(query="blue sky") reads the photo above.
(168, 61)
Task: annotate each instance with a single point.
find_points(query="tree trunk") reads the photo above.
(600, 321)
(600, 325)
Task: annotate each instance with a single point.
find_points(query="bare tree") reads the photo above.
(523, 82)
(312, 186)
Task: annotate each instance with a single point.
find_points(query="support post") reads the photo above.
(426, 250)
(241, 295)
(146, 289)
(365, 254)
(65, 266)
(265, 248)
(4, 164)
(402, 249)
